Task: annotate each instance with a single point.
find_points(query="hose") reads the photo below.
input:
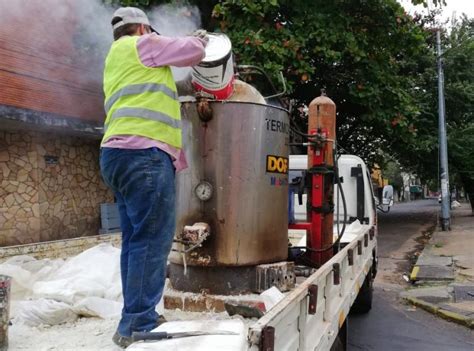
(300, 133)
(343, 198)
(344, 205)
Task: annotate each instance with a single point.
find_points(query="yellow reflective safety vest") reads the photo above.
(139, 100)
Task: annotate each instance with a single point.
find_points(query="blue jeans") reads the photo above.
(143, 182)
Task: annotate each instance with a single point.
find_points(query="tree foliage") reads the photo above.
(458, 64)
(376, 62)
(364, 53)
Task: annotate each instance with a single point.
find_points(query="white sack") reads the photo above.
(43, 312)
(94, 272)
(271, 297)
(25, 271)
(87, 284)
(237, 342)
(98, 307)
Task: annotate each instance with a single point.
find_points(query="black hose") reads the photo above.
(380, 208)
(300, 133)
(344, 205)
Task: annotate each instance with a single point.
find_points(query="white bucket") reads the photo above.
(215, 74)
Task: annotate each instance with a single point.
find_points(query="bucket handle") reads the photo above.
(255, 69)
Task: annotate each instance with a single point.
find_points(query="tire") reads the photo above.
(340, 344)
(363, 302)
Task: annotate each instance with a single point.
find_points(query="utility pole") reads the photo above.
(443, 143)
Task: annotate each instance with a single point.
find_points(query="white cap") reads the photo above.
(131, 15)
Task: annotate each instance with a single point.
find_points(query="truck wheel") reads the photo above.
(363, 302)
(340, 344)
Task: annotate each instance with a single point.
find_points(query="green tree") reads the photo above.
(375, 61)
(364, 53)
(421, 154)
(459, 73)
(392, 172)
(459, 66)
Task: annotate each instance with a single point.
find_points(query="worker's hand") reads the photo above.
(201, 34)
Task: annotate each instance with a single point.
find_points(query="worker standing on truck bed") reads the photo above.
(140, 152)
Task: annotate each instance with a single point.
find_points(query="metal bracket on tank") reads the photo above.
(192, 236)
(204, 110)
(280, 274)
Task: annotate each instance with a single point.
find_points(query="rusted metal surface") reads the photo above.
(5, 284)
(336, 271)
(268, 339)
(350, 257)
(217, 280)
(313, 299)
(281, 275)
(248, 209)
(204, 110)
(231, 280)
(194, 234)
(59, 248)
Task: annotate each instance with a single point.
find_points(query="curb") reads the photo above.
(414, 272)
(448, 315)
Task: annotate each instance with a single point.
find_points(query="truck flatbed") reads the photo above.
(289, 324)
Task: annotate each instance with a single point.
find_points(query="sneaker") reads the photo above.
(126, 341)
(122, 341)
(161, 320)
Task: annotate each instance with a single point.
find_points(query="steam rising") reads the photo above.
(173, 20)
(48, 24)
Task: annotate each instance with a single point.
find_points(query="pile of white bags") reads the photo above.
(59, 291)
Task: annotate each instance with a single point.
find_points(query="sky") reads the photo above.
(457, 6)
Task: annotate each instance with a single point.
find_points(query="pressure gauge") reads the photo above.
(203, 191)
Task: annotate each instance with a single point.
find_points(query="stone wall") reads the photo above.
(50, 187)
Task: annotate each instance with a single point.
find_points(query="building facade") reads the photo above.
(51, 114)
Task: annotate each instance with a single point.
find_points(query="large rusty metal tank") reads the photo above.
(237, 154)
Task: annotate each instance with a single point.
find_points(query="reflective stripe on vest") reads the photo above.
(139, 100)
(144, 113)
(138, 89)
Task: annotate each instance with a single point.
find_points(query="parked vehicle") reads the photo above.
(313, 316)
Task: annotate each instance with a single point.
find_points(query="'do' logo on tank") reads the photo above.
(277, 164)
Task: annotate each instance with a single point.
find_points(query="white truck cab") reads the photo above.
(357, 187)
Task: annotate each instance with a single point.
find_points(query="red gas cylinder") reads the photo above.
(322, 124)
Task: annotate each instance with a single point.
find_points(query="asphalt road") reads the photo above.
(391, 324)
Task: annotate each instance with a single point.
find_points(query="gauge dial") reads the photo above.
(203, 191)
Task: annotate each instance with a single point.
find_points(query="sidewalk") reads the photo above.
(444, 273)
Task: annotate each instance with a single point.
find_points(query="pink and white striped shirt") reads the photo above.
(156, 51)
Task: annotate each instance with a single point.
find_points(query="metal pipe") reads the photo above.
(443, 144)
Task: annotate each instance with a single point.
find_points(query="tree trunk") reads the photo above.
(468, 183)
(471, 200)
